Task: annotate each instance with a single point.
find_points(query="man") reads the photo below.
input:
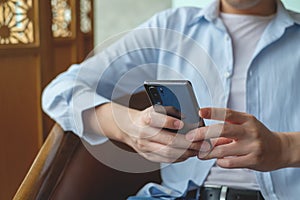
(253, 45)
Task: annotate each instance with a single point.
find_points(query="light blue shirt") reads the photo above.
(193, 44)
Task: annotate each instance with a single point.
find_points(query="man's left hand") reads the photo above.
(241, 141)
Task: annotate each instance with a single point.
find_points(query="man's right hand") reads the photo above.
(145, 131)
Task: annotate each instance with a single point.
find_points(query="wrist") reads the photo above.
(106, 122)
(122, 120)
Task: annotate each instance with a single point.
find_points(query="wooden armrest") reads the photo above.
(46, 168)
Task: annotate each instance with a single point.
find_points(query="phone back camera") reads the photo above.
(155, 95)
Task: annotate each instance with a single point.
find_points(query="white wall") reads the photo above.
(198, 3)
(290, 4)
(115, 16)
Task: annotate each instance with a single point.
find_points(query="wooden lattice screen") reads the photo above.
(38, 39)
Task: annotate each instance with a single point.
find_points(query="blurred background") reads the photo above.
(40, 39)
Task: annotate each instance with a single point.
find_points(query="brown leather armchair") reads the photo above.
(65, 169)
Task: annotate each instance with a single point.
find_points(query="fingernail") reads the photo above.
(178, 124)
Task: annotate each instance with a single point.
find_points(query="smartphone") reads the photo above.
(175, 98)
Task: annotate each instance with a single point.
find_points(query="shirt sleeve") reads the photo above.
(115, 71)
(68, 95)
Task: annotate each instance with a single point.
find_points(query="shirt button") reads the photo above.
(227, 74)
(250, 73)
(227, 38)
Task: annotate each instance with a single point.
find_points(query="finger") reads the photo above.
(225, 130)
(162, 159)
(216, 142)
(222, 151)
(172, 111)
(179, 141)
(222, 141)
(236, 162)
(155, 158)
(146, 132)
(203, 146)
(176, 154)
(197, 134)
(159, 120)
(171, 139)
(224, 114)
(163, 137)
(170, 153)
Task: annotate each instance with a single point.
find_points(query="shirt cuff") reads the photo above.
(83, 101)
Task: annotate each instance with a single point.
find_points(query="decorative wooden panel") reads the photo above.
(62, 18)
(85, 16)
(20, 88)
(38, 39)
(74, 39)
(17, 22)
(85, 33)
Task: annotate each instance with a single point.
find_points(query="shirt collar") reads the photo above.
(284, 16)
(212, 10)
(209, 12)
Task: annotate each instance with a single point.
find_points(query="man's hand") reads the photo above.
(147, 131)
(147, 134)
(241, 141)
